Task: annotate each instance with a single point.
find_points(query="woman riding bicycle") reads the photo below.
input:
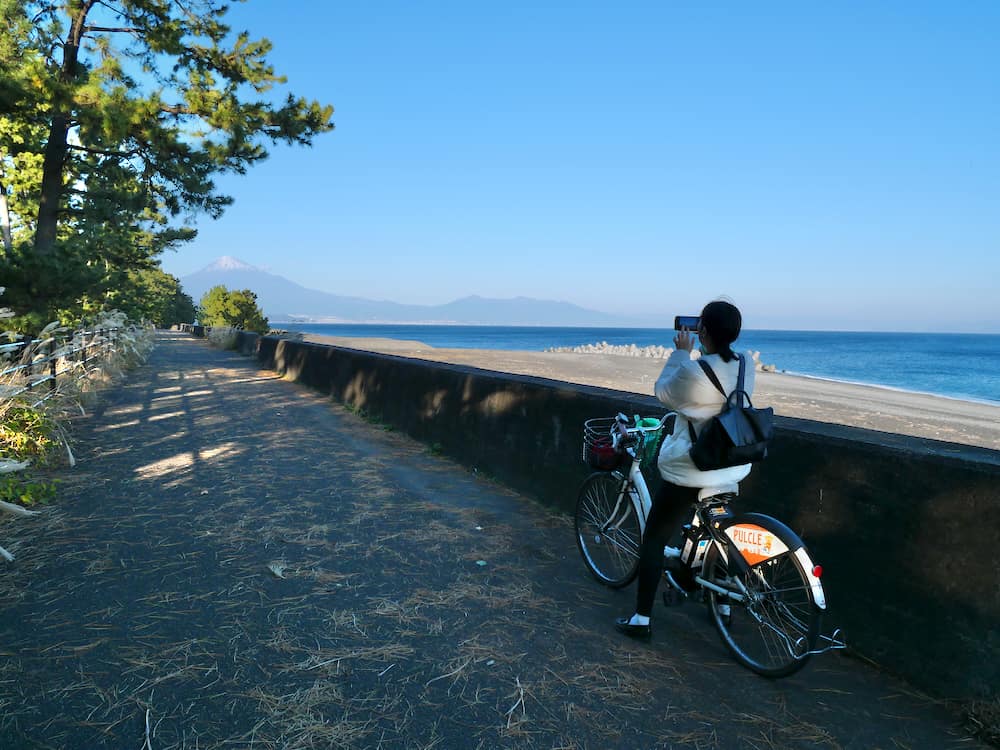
(684, 387)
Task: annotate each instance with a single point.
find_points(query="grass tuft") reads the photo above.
(983, 720)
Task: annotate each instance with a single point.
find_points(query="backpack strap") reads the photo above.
(718, 386)
(714, 378)
(740, 380)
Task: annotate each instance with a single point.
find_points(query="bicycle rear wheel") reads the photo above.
(774, 629)
(608, 532)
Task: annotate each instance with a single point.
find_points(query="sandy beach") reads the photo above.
(883, 409)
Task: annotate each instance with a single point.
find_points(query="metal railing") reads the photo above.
(30, 365)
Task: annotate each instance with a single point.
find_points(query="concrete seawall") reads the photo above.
(905, 528)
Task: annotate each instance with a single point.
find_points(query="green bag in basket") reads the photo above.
(651, 441)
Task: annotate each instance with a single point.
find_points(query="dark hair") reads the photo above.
(723, 321)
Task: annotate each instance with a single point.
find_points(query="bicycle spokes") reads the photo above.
(780, 607)
(774, 621)
(608, 530)
(769, 618)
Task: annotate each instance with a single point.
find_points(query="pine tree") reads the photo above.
(115, 118)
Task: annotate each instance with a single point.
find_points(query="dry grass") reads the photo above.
(983, 720)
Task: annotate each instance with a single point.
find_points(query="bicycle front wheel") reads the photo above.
(608, 531)
(775, 627)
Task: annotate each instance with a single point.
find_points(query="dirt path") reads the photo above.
(238, 563)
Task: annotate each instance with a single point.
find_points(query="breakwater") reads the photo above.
(652, 351)
(905, 528)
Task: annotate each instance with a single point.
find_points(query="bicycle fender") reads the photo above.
(759, 537)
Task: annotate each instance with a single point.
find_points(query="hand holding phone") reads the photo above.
(684, 341)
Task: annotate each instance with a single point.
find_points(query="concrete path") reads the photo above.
(236, 562)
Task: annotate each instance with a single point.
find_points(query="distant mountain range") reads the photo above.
(284, 301)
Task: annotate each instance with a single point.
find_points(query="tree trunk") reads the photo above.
(56, 146)
(8, 243)
(52, 186)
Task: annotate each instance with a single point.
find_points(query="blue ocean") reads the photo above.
(964, 366)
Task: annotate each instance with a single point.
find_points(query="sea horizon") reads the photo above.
(961, 366)
(298, 324)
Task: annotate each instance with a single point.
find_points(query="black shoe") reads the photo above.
(643, 632)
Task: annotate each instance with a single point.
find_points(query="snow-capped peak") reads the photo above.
(229, 263)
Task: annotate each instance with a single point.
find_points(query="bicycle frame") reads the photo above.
(717, 526)
(710, 522)
(743, 557)
(633, 480)
(637, 481)
(634, 486)
(762, 565)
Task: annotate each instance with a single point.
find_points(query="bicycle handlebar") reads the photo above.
(635, 430)
(622, 431)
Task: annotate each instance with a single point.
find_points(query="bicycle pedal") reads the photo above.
(674, 583)
(673, 597)
(674, 593)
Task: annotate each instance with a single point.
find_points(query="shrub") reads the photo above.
(26, 433)
(25, 491)
(237, 308)
(31, 427)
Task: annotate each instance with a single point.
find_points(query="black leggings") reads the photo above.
(669, 507)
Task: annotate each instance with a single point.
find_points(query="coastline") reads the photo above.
(872, 407)
(877, 386)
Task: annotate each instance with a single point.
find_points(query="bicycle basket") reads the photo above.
(598, 451)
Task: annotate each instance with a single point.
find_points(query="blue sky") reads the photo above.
(828, 166)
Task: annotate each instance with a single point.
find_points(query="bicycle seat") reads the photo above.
(726, 489)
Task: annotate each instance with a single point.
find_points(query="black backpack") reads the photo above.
(738, 434)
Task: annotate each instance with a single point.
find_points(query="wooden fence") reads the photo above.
(36, 366)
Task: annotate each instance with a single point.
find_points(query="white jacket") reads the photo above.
(684, 387)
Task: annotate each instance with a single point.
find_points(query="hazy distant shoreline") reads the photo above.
(663, 329)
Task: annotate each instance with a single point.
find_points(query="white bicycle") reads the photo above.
(762, 588)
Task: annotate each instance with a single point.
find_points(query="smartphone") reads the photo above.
(691, 322)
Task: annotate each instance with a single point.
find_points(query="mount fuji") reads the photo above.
(283, 300)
